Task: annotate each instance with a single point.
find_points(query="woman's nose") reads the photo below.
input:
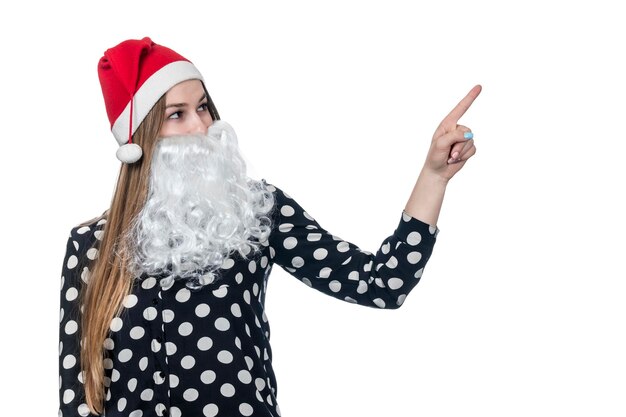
(198, 125)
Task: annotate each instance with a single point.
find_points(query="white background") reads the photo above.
(521, 310)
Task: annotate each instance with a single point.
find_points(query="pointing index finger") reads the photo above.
(450, 121)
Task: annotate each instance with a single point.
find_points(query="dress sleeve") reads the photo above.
(74, 275)
(341, 269)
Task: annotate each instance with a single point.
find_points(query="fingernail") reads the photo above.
(468, 135)
(455, 155)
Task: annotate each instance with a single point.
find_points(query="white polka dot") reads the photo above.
(173, 380)
(207, 377)
(290, 243)
(221, 291)
(185, 329)
(249, 362)
(245, 409)
(187, 362)
(287, 211)
(170, 348)
(392, 262)
(72, 262)
(244, 376)
(71, 294)
(168, 315)
(130, 300)
(227, 390)
(150, 313)
(98, 234)
(136, 413)
(236, 310)
(148, 283)
(108, 363)
(137, 332)
(202, 310)
(143, 363)
(385, 248)
(190, 394)
(238, 342)
(260, 384)
(132, 384)
(71, 327)
(395, 283)
(124, 355)
(418, 274)
(121, 404)
(343, 247)
(228, 263)
(205, 343)
(255, 289)
(109, 344)
(401, 299)
(83, 410)
(225, 356)
(210, 410)
(116, 324)
(83, 230)
(297, 262)
(175, 412)
(68, 396)
(313, 237)
(379, 282)
(84, 276)
(155, 345)
(147, 394)
(222, 324)
(239, 278)
(325, 272)
(353, 275)
(320, 253)
(115, 375)
(183, 295)
(380, 303)
(92, 253)
(69, 361)
(307, 282)
(414, 238)
(414, 257)
(334, 285)
(158, 377)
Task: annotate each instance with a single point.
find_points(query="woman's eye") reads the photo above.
(175, 115)
(204, 107)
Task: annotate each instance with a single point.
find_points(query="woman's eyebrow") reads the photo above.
(184, 104)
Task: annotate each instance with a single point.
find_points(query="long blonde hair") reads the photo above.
(110, 280)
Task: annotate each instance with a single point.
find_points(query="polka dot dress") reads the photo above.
(180, 352)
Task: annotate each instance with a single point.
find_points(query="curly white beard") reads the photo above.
(201, 207)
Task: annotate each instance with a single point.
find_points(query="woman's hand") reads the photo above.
(450, 147)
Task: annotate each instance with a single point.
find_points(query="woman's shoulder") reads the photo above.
(89, 228)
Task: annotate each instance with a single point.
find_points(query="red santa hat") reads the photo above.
(133, 76)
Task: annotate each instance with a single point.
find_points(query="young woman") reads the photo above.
(162, 296)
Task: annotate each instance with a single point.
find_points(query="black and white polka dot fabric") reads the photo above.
(177, 352)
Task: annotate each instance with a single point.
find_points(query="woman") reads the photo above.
(162, 298)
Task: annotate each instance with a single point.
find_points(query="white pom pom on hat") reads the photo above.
(134, 75)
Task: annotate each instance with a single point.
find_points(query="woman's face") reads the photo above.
(187, 110)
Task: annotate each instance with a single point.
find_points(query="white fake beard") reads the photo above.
(200, 208)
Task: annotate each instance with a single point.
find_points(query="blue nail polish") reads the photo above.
(468, 135)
